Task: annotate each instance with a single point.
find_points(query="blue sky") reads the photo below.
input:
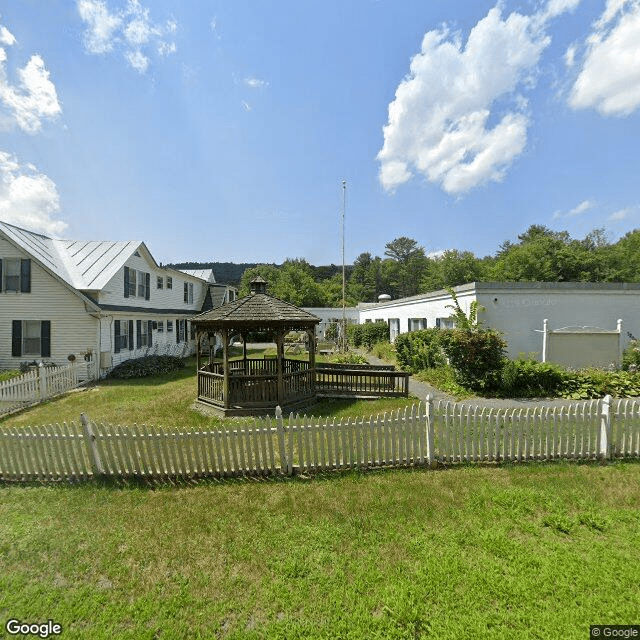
(222, 131)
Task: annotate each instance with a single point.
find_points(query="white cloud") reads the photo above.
(609, 77)
(129, 31)
(255, 83)
(583, 207)
(28, 198)
(617, 216)
(444, 122)
(33, 99)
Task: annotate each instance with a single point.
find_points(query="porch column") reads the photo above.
(280, 367)
(225, 355)
(198, 337)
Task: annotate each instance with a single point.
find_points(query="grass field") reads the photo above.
(165, 401)
(530, 551)
(518, 551)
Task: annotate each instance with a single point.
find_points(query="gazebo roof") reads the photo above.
(256, 309)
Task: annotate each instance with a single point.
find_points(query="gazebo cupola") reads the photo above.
(256, 386)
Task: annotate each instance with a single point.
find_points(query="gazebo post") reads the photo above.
(225, 352)
(244, 350)
(280, 366)
(198, 336)
(311, 333)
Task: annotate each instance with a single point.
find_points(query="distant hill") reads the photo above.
(230, 272)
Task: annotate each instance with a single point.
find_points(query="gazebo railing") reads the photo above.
(254, 382)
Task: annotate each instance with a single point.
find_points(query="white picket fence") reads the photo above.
(423, 434)
(40, 384)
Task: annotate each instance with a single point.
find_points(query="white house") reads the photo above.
(518, 311)
(104, 302)
(332, 315)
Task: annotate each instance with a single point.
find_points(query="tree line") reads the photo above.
(539, 254)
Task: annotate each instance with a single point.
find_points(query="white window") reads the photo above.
(415, 324)
(122, 339)
(161, 326)
(143, 333)
(188, 292)
(132, 282)
(11, 274)
(159, 282)
(169, 326)
(142, 284)
(169, 282)
(31, 338)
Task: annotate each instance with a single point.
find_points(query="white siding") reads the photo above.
(431, 307)
(113, 292)
(73, 330)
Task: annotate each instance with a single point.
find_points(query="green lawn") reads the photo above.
(518, 551)
(166, 401)
(529, 551)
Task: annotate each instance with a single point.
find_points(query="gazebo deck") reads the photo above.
(253, 384)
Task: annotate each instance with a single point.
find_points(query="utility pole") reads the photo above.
(344, 281)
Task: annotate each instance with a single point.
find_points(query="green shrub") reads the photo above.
(384, 351)
(476, 356)
(419, 350)
(367, 334)
(528, 378)
(349, 358)
(146, 366)
(631, 356)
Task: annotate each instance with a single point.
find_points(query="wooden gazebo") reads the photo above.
(255, 386)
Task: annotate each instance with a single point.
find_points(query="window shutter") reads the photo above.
(139, 333)
(126, 282)
(45, 338)
(150, 331)
(437, 323)
(130, 335)
(148, 287)
(116, 336)
(16, 338)
(177, 330)
(0, 274)
(25, 275)
(186, 292)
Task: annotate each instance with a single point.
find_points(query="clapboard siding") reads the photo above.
(113, 292)
(73, 330)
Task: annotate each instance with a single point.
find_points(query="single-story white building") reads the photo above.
(518, 310)
(332, 315)
(101, 302)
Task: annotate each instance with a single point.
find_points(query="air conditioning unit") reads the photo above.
(105, 360)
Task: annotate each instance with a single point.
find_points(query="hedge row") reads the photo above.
(146, 366)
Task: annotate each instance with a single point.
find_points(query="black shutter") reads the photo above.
(126, 282)
(25, 275)
(186, 292)
(130, 335)
(139, 333)
(148, 287)
(45, 338)
(0, 274)
(150, 330)
(16, 338)
(116, 336)
(177, 330)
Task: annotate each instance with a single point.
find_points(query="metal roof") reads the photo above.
(86, 265)
(204, 274)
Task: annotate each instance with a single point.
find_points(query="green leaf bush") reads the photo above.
(476, 357)
(419, 350)
(367, 334)
(146, 366)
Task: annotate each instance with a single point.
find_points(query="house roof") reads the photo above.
(203, 274)
(86, 265)
(256, 309)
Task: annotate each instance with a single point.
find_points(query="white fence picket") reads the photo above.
(443, 432)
